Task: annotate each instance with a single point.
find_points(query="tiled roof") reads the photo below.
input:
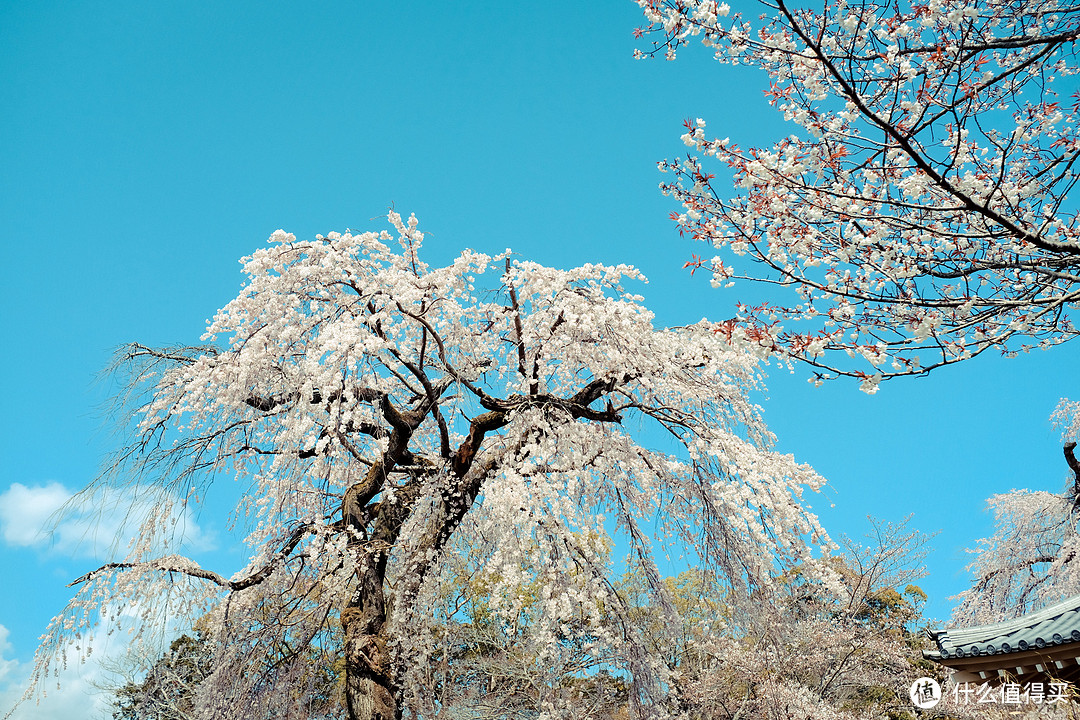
(1056, 625)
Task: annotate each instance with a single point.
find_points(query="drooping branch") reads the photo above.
(591, 392)
(481, 425)
(188, 567)
(180, 355)
(267, 403)
(177, 567)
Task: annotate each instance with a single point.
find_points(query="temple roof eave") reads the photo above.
(1043, 633)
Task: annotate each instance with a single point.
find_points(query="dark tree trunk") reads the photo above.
(371, 682)
(371, 690)
(369, 686)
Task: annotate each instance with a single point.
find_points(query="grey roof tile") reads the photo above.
(1056, 625)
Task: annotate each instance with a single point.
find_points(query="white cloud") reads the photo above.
(25, 512)
(94, 525)
(7, 667)
(75, 693)
(84, 690)
(97, 525)
(76, 696)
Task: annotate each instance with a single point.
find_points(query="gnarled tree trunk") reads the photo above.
(370, 693)
(371, 682)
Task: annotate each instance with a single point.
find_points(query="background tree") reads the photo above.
(847, 648)
(168, 689)
(919, 210)
(377, 408)
(1031, 559)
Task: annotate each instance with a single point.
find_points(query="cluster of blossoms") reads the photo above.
(919, 209)
(1031, 560)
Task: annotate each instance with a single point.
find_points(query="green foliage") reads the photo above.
(168, 690)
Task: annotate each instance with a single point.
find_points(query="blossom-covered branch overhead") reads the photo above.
(919, 209)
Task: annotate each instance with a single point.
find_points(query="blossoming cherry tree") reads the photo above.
(384, 414)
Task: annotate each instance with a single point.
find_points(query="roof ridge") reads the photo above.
(1024, 621)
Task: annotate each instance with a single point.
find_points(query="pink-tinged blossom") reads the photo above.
(923, 185)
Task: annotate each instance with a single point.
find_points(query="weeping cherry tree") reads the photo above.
(381, 414)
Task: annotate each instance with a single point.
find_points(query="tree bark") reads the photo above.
(371, 691)
(1070, 458)
(369, 688)
(371, 683)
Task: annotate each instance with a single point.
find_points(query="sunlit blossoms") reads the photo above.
(918, 210)
(384, 415)
(1033, 558)
(1029, 563)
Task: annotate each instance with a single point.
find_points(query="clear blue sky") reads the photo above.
(145, 147)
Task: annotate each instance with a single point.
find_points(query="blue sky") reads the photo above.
(148, 146)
